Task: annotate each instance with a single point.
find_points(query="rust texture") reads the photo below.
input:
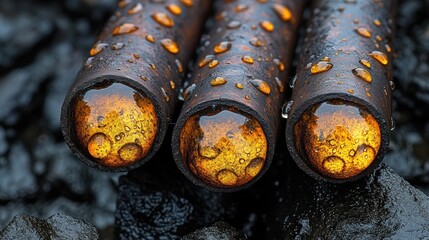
(343, 33)
(132, 53)
(266, 34)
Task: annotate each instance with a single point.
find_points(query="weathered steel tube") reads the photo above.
(225, 136)
(340, 113)
(116, 114)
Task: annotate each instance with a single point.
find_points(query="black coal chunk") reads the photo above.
(380, 206)
(219, 230)
(58, 226)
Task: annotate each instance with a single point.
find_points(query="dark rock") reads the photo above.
(58, 226)
(217, 231)
(157, 202)
(380, 206)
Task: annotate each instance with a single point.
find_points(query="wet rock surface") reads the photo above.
(219, 230)
(44, 43)
(58, 226)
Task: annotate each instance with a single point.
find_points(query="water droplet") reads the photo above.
(187, 3)
(241, 8)
(366, 63)
(117, 46)
(218, 81)
(279, 64)
(179, 65)
(136, 56)
(222, 47)
(352, 153)
(326, 59)
(233, 24)
(167, 98)
(97, 48)
(392, 85)
(127, 129)
(363, 32)
(170, 45)
(143, 78)
(99, 145)
(123, 3)
(286, 109)
(172, 85)
(227, 177)
(334, 164)
(152, 65)
(247, 97)
(174, 9)
(380, 57)
(206, 60)
(124, 28)
(267, 26)
(150, 38)
(356, 21)
(130, 152)
(261, 86)
(282, 12)
(188, 91)
(362, 74)
(254, 41)
(137, 8)
(293, 81)
(241, 161)
(392, 124)
(377, 22)
(213, 63)
(88, 62)
(321, 67)
(239, 85)
(163, 19)
(247, 59)
(279, 84)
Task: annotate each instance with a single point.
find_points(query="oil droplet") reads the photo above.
(321, 67)
(239, 85)
(286, 109)
(152, 65)
(188, 91)
(241, 8)
(282, 12)
(143, 78)
(254, 41)
(380, 57)
(123, 3)
(377, 22)
(124, 29)
(97, 48)
(167, 98)
(174, 9)
(279, 64)
(279, 84)
(366, 63)
(137, 8)
(99, 145)
(172, 85)
(363, 32)
(351, 91)
(261, 86)
(220, 146)
(213, 63)
(187, 3)
(326, 59)
(130, 152)
(247, 97)
(233, 25)
(388, 48)
(218, 81)
(362, 74)
(267, 26)
(150, 38)
(179, 65)
(379, 38)
(206, 60)
(117, 46)
(136, 56)
(103, 124)
(170, 45)
(222, 47)
(355, 132)
(247, 59)
(163, 19)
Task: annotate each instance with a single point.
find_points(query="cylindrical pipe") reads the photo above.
(116, 114)
(225, 136)
(340, 112)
